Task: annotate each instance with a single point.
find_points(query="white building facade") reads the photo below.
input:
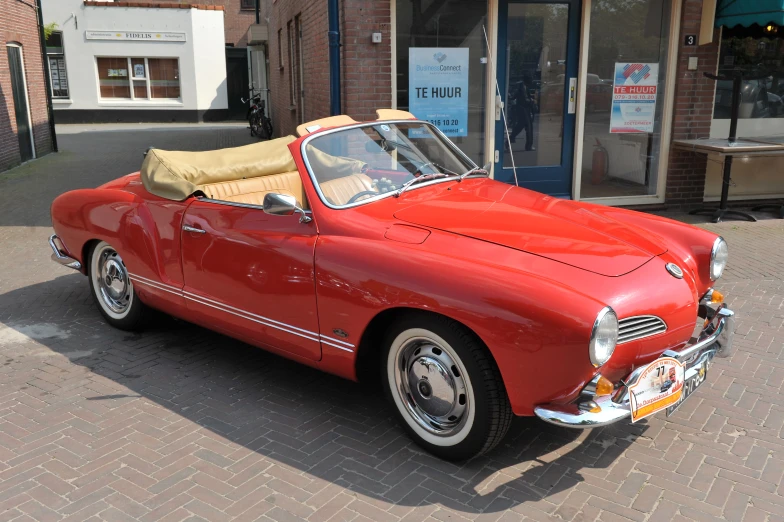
(110, 62)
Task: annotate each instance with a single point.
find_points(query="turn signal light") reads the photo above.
(604, 386)
(717, 297)
(595, 409)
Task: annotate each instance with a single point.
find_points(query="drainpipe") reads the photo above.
(334, 58)
(47, 74)
(258, 18)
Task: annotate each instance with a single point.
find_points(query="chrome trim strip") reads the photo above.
(249, 318)
(153, 285)
(193, 296)
(371, 124)
(244, 314)
(241, 205)
(337, 346)
(333, 340)
(59, 257)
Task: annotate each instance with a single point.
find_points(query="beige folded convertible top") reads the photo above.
(178, 174)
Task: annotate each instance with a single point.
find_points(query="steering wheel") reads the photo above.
(356, 196)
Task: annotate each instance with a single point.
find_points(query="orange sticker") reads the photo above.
(660, 385)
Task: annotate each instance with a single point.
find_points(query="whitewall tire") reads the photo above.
(444, 386)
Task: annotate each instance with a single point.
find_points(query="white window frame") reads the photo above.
(49, 66)
(131, 79)
(27, 98)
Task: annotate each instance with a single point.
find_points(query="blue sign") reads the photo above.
(438, 87)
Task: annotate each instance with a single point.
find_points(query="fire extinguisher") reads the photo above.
(600, 163)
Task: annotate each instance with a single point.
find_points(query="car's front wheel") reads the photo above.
(445, 387)
(113, 290)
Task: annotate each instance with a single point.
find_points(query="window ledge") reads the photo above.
(141, 103)
(62, 101)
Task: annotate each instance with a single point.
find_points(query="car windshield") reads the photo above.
(365, 163)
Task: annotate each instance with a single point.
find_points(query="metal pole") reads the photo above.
(47, 75)
(334, 58)
(258, 19)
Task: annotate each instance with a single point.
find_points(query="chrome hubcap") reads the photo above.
(431, 385)
(112, 281)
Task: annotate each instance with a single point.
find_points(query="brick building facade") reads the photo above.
(639, 169)
(365, 67)
(19, 31)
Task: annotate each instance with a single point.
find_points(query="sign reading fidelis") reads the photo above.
(136, 36)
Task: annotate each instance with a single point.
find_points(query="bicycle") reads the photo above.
(260, 124)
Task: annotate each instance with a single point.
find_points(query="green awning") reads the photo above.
(749, 12)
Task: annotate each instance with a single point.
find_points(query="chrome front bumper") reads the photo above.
(59, 256)
(715, 342)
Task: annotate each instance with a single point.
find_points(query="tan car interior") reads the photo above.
(246, 174)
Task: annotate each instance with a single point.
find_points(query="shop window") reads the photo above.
(450, 31)
(57, 74)
(758, 53)
(628, 48)
(139, 78)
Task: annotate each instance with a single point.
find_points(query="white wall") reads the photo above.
(202, 57)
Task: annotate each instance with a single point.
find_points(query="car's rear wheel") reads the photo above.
(445, 387)
(112, 289)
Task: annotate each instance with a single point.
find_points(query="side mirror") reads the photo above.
(283, 205)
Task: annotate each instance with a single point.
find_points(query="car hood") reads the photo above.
(577, 234)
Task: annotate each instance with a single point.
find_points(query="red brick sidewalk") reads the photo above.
(180, 423)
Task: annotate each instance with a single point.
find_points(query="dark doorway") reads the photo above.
(21, 108)
(237, 81)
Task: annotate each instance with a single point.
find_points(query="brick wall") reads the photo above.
(692, 114)
(367, 67)
(19, 24)
(315, 55)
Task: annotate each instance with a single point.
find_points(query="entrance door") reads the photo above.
(21, 108)
(237, 82)
(538, 47)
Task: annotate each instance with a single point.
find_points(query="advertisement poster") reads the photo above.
(660, 385)
(438, 87)
(634, 97)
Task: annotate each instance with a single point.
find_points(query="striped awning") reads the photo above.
(730, 13)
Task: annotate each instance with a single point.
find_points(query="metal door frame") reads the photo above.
(570, 120)
(26, 97)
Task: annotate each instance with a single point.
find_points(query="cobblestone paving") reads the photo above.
(180, 423)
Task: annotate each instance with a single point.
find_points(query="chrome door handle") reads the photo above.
(192, 229)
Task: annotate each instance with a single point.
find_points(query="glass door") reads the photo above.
(538, 47)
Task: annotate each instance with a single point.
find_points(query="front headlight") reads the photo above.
(719, 255)
(604, 336)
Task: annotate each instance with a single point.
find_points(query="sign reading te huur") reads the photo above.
(634, 97)
(438, 87)
(136, 36)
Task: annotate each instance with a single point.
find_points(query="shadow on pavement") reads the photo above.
(320, 425)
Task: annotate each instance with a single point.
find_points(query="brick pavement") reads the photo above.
(179, 423)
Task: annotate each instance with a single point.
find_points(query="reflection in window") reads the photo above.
(622, 164)
(755, 53)
(447, 23)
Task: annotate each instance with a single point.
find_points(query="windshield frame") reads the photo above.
(436, 131)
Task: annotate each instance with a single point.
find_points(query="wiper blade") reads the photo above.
(424, 177)
(476, 170)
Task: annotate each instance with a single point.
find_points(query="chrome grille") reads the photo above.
(638, 327)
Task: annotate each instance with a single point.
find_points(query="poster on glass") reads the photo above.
(438, 87)
(634, 97)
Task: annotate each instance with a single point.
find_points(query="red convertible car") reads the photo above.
(378, 250)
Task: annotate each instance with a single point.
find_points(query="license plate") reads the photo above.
(692, 383)
(659, 386)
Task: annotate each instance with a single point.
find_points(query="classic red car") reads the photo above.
(378, 250)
